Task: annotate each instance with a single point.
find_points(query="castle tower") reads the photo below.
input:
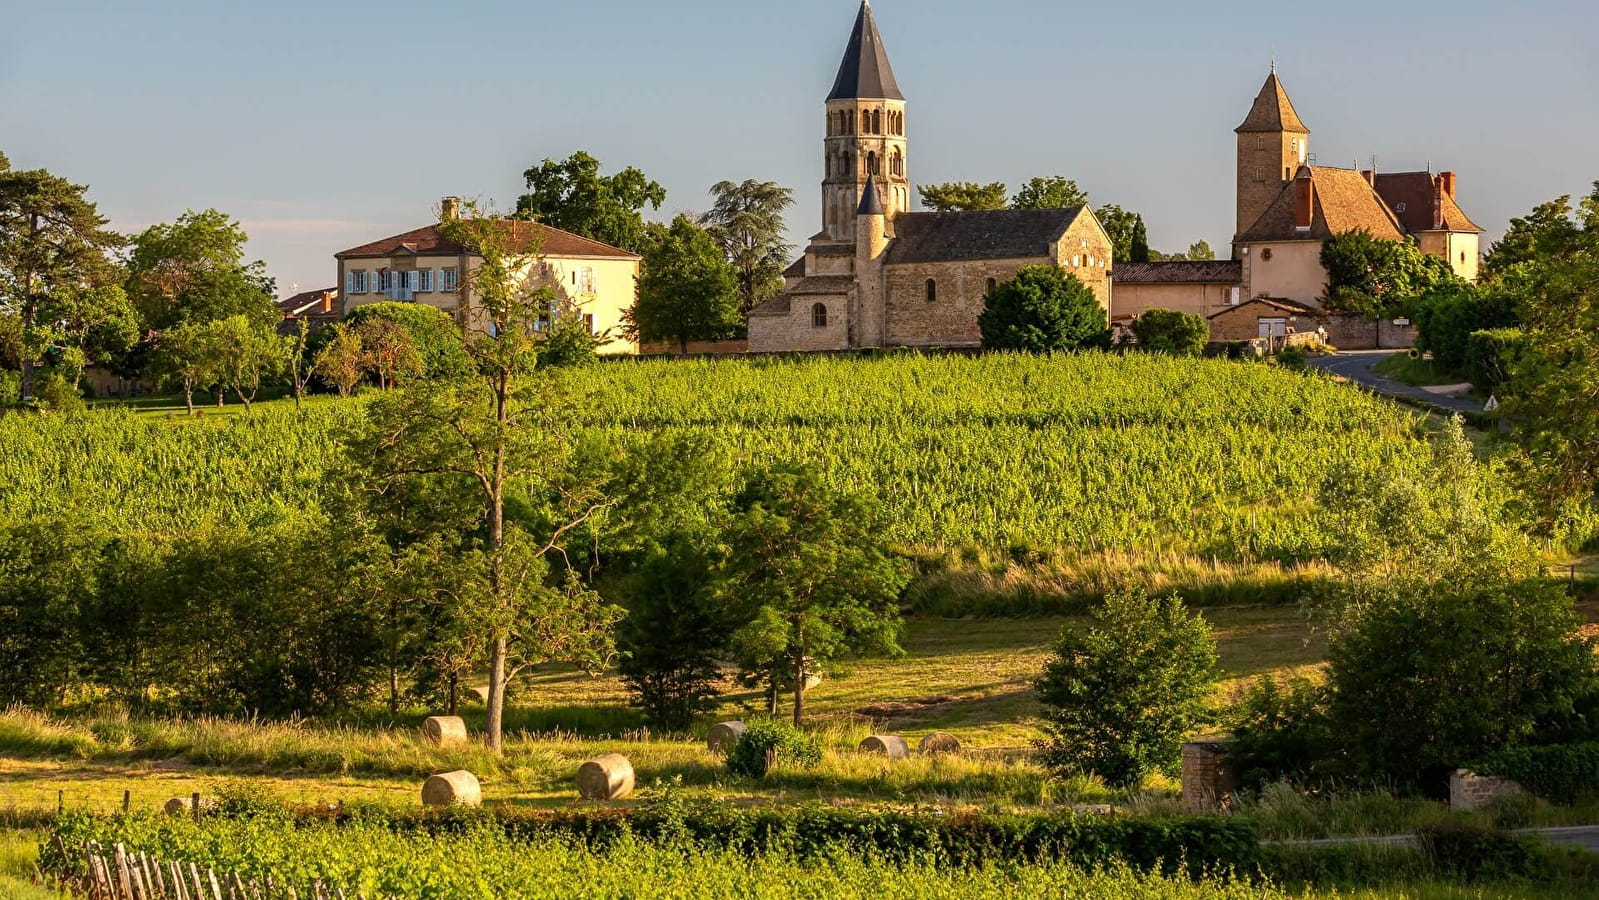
(865, 133)
(870, 319)
(1272, 145)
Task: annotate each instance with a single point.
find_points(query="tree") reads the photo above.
(1054, 192)
(1120, 697)
(190, 355)
(962, 196)
(1548, 231)
(297, 359)
(391, 352)
(811, 577)
(53, 245)
(676, 631)
(572, 195)
(1043, 310)
(247, 353)
(193, 270)
(342, 360)
(686, 291)
(1371, 277)
(1129, 241)
(1198, 251)
(450, 458)
(1171, 333)
(747, 223)
(438, 339)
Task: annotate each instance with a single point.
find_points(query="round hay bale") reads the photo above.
(452, 789)
(609, 777)
(182, 806)
(724, 735)
(480, 694)
(939, 742)
(890, 745)
(444, 731)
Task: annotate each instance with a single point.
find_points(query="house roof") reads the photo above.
(306, 301)
(925, 237)
(1273, 111)
(777, 306)
(865, 73)
(1421, 204)
(796, 269)
(1344, 201)
(1276, 303)
(1218, 271)
(430, 240)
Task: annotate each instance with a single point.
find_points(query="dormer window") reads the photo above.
(1400, 207)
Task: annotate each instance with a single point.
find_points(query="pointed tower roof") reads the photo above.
(1273, 111)
(871, 200)
(865, 72)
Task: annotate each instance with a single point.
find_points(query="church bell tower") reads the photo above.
(865, 134)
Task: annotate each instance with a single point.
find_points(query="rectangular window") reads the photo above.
(448, 280)
(424, 281)
(357, 281)
(588, 323)
(1260, 174)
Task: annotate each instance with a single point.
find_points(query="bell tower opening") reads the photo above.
(865, 133)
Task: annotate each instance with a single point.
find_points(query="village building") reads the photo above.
(880, 275)
(593, 280)
(316, 308)
(1287, 207)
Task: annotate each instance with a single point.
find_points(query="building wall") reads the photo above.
(1266, 163)
(795, 331)
(1463, 250)
(1128, 300)
(1085, 251)
(952, 318)
(842, 186)
(1243, 323)
(1293, 271)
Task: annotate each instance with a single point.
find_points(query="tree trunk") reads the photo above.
(494, 723)
(771, 693)
(499, 644)
(188, 395)
(799, 690)
(394, 688)
(682, 343)
(455, 692)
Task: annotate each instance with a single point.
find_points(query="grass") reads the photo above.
(1419, 372)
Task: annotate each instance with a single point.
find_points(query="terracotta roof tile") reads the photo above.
(430, 240)
(1344, 202)
(308, 301)
(1218, 271)
(1420, 204)
(1276, 303)
(1273, 111)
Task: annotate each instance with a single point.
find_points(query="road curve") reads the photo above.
(1359, 366)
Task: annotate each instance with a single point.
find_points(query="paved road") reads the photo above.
(1585, 837)
(1359, 366)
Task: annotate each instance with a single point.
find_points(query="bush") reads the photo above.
(1474, 852)
(675, 633)
(1119, 698)
(1043, 310)
(1564, 773)
(769, 742)
(437, 337)
(1491, 354)
(1171, 332)
(1280, 732)
(1446, 318)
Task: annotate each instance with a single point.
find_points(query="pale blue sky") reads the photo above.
(324, 125)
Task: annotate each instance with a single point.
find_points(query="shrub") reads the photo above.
(769, 742)
(1447, 317)
(1043, 310)
(1119, 698)
(436, 336)
(1171, 332)
(1280, 731)
(1474, 852)
(1563, 773)
(1491, 354)
(675, 633)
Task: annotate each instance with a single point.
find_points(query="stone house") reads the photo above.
(879, 275)
(596, 280)
(319, 308)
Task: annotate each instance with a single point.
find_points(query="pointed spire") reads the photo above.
(1273, 111)
(865, 73)
(871, 200)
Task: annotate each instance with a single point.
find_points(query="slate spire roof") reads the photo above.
(871, 200)
(1273, 111)
(865, 73)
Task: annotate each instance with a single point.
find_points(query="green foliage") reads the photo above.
(1280, 731)
(193, 271)
(1431, 681)
(686, 291)
(1447, 316)
(676, 632)
(1129, 239)
(1043, 310)
(1562, 773)
(1120, 697)
(1551, 230)
(747, 223)
(811, 576)
(573, 196)
(1373, 278)
(1475, 853)
(962, 196)
(1492, 354)
(767, 743)
(435, 335)
(1171, 332)
(1198, 251)
(1054, 192)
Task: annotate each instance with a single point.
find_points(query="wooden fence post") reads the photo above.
(124, 886)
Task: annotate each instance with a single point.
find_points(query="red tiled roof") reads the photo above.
(1273, 111)
(1344, 202)
(1421, 204)
(430, 241)
(308, 301)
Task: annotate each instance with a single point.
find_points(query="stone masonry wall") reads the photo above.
(1469, 791)
(1207, 783)
(952, 318)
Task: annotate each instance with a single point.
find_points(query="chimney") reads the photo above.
(327, 301)
(1304, 201)
(450, 208)
(1371, 177)
(1446, 180)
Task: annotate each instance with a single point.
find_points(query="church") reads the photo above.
(879, 275)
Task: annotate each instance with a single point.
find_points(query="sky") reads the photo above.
(324, 125)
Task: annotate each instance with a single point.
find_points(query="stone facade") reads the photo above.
(1259, 318)
(1469, 791)
(1208, 784)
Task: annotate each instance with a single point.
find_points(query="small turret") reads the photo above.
(871, 224)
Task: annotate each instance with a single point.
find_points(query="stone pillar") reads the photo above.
(1208, 784)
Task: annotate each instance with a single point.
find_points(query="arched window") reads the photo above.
(932, 291)
(992, 283)
(877, 121)
(871, 164)
(849, 121)
(899, 163)
(819, 315)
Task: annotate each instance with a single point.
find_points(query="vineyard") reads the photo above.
(1100, 452)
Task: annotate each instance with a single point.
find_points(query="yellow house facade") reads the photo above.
(593, 280)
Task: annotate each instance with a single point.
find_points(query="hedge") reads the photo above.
(1562, 773)
(1490, 353)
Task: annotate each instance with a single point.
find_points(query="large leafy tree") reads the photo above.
(747, 222)
(686, 291)
(1120, 696)
(194, 270)
(1371, 277)
(572, 195)
(1042, 310)
(962, 196)
(1171, 332)
(1550, 230)
(490, 463)
(811, 577)
(54, 277)
(1053, 192)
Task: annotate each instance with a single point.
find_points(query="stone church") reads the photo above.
(879, 275)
